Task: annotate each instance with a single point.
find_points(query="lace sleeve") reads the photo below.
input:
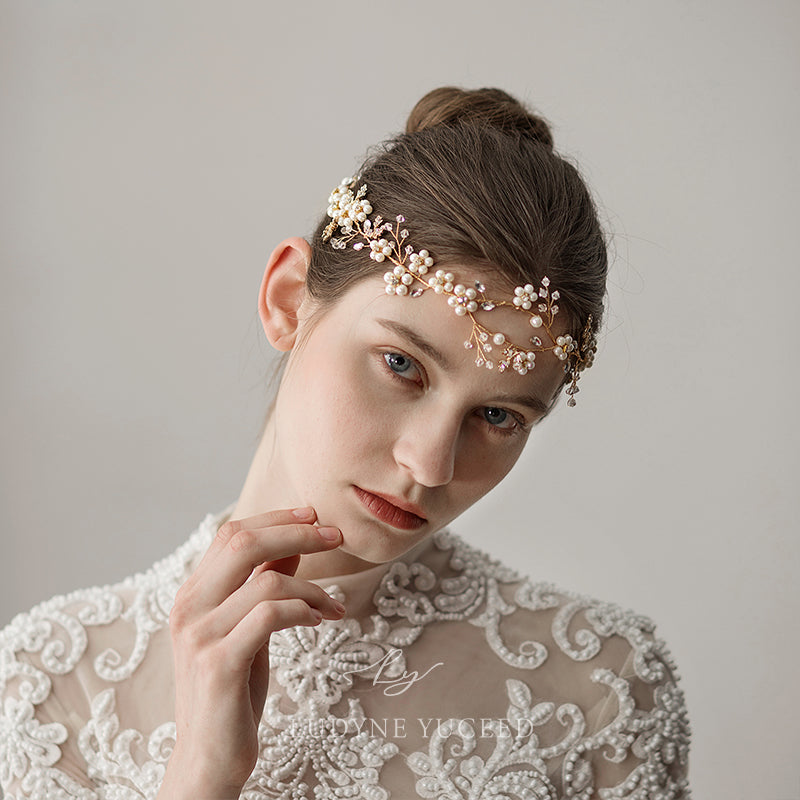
(638, 745)
(36, 758)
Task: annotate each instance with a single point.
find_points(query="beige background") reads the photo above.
(154, 152)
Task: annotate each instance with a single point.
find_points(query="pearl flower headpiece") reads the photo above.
(350, 213)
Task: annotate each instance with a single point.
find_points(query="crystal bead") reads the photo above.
(487, 306)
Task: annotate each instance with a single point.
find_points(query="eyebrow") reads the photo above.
(418, 341)
(531, 401)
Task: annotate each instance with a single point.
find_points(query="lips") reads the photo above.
(392, 510)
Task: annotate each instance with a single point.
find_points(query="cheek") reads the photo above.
(481, 465)
(350, 412)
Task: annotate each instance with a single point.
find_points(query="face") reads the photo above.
(386, 426)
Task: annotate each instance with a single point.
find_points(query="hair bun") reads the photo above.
(495, 108)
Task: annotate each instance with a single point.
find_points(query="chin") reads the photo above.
(377, 543)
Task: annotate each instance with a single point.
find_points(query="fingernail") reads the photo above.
(303, 513)
(338, 606)
(329, 534)
(316, 614)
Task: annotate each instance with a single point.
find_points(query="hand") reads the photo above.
(223, 616)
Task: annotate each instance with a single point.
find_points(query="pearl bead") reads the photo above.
(460, 310)
(498, 338)
(536, 321)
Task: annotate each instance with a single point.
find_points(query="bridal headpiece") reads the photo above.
(412, 275)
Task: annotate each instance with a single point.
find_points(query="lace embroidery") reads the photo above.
(517, 767)
(109, 752)
(321, 750)
(52, 784)
(337, 753)
(660, 737)
(25, 742)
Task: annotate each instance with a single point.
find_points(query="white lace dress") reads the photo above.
(450, 677)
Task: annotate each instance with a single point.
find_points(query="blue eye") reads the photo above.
(398, 363)
(495, 416)
(403, 368)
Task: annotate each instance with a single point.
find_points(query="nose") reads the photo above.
(428, 450)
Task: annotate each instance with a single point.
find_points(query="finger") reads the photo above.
(283, 516)
(252, 632)
(246, 550)
(288, 565)
(268, 585)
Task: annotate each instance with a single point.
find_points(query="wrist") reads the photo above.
(189, 779)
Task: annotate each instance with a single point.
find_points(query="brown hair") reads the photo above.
(479, 184)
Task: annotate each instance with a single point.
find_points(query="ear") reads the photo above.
(283, 290)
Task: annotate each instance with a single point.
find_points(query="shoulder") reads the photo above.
(58, 660)
(58, 630)
(597, 663)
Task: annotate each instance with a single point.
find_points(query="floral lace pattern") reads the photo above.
(618, 729)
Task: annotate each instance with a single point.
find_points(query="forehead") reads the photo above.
(477, 350)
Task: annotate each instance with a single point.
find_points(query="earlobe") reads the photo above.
(283, 290)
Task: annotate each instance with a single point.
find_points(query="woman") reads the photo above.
(329, 637)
